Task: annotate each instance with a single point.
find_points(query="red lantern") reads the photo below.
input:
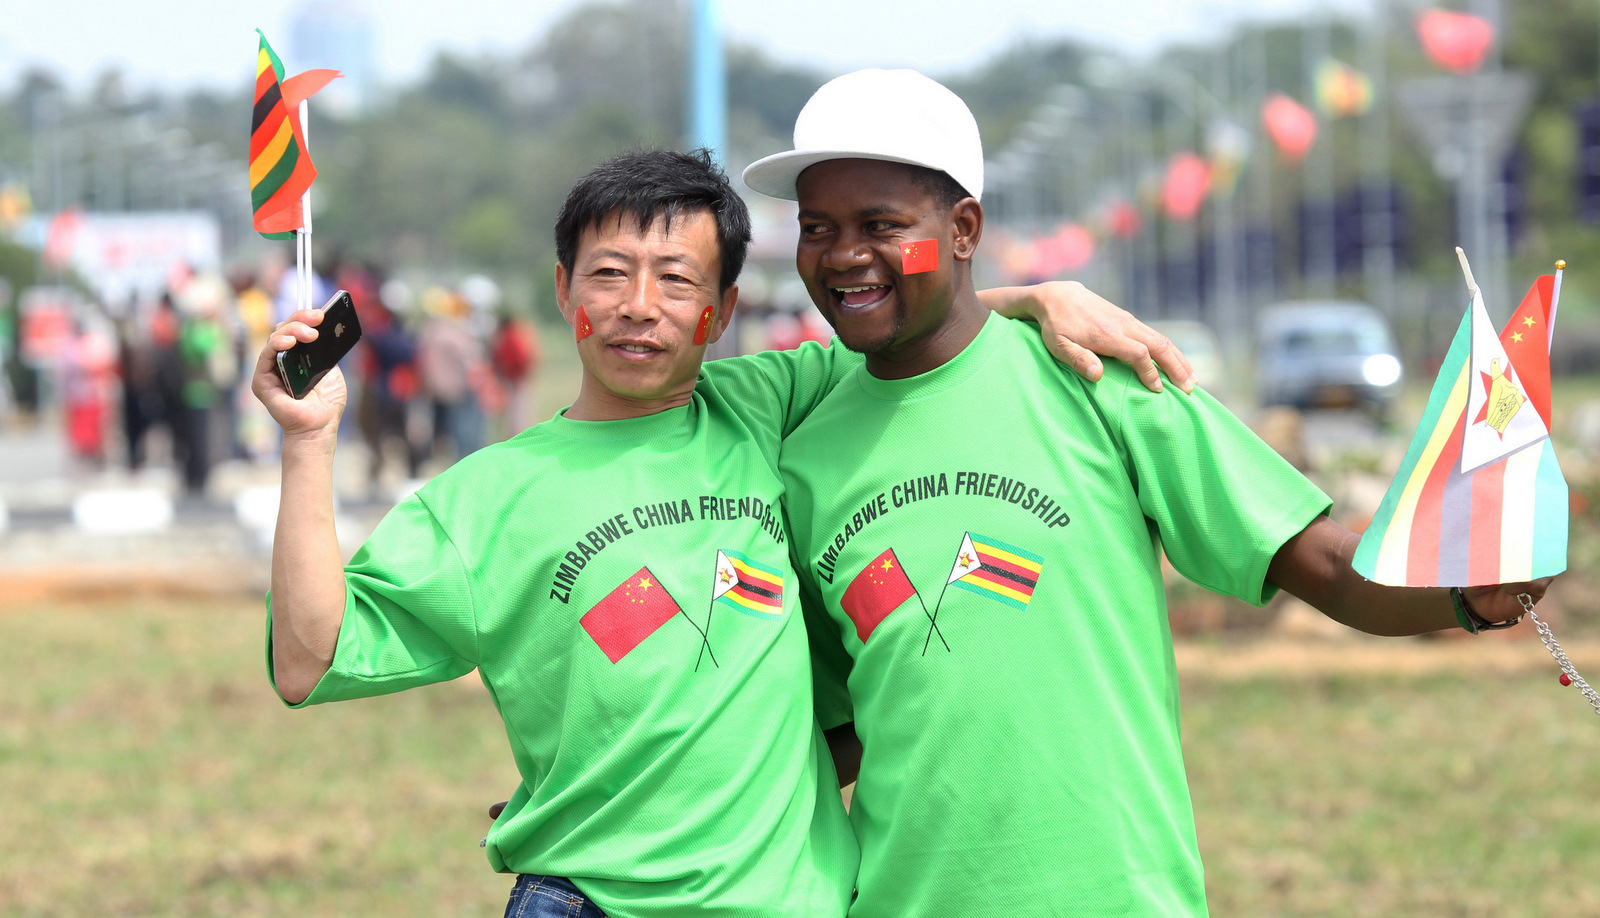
(1188, 180)
(1456, 42)
(1291, 126)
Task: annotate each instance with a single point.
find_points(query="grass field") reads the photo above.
(147, 769)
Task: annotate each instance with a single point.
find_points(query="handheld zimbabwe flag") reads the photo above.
(919, 257)
(629, 614)
(997, 570)
(281, 171)
(748, 585)
(1503, 520)
(879, 589)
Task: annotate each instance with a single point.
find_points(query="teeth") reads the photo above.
(857, 289)
(635, 348)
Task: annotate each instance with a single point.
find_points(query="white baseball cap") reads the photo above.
(899, 116)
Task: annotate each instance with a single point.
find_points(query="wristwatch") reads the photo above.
(1469, 619)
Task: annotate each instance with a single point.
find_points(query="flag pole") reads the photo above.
(1555, 297)
(309, 275)
(1472, 285)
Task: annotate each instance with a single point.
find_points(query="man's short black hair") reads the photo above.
(648, 184)
(946, 191)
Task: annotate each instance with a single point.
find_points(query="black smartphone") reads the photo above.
(301, 367)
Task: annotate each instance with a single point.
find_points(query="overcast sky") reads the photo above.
(183, 43)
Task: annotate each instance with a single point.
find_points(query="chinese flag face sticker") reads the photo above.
(581, 328)
(702, 332)
(919, 257)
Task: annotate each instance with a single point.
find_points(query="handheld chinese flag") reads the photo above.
(919, 257)
(629, 614)
(1504, 521)
(879, 589)
(281, 171)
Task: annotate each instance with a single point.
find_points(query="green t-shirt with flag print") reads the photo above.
(623, 589)
(986, 555)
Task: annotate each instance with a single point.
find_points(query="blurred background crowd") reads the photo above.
(439, 372)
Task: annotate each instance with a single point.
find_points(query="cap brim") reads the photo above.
(775, 175)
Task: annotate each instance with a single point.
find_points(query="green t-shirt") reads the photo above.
(987, 551)
(624, 590)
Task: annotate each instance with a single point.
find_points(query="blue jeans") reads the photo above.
(549, 897)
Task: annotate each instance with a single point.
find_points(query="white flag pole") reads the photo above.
(309, 276)
(1555, 298)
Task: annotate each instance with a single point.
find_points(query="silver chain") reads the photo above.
(1552, 645)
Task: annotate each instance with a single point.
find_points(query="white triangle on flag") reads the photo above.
(727, 576)
(966, 560)
(1501, 418)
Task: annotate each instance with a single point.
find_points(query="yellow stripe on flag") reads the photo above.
(1517, 501)
(263, 62)
(274, 151)
(756, 574)
(1391, 563)
(1004, 555)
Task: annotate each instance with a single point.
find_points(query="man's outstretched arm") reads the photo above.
(308, 587)
(1079, 324)
(1315, 566)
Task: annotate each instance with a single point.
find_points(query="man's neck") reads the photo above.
(937, 348)
(610, 406)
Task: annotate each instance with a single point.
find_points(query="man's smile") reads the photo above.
(860, 297)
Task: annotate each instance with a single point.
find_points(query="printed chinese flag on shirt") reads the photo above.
(629, 614)
(919, 257)
(879, 589)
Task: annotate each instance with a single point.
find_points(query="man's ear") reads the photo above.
(563, 292)
(966, 224)
(730, 299)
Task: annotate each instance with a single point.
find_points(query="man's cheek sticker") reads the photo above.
(581, 328)
(702, 332)
(919, 257)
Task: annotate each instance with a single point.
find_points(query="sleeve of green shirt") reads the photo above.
(408, 616)
(1222, 499)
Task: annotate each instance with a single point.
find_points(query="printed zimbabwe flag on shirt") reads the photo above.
(629, 614)
(996, 570)
(748, 585)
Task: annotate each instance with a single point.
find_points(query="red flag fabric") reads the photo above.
(1457, 42)
(581, 328)
(629, 614)
(1188, 180)
(879, 589)
(1291, 126)
(1526, 339)
(919, 257)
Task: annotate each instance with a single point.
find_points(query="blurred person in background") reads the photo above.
(385, 361)
(636, 735)
(140, 401)
(515, 355)
(453, 363)
(87, 365)
(206, 351)
(254, 433)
